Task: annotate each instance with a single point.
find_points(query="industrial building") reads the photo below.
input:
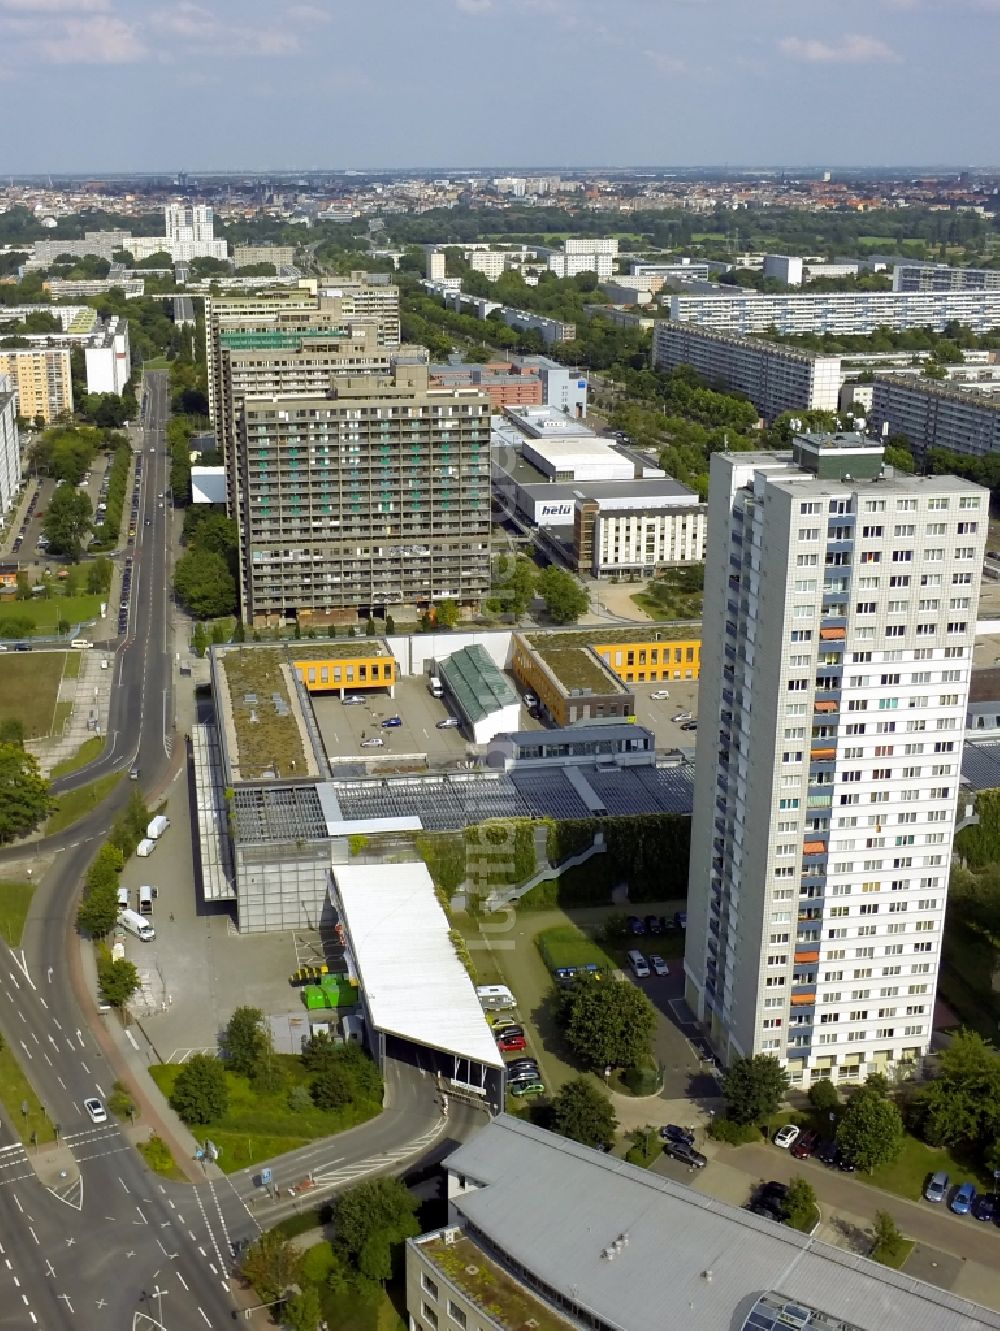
(848, 314)
(839, 623)
(545, 1233)
(775, 378)
(929, 413)
(372, 499)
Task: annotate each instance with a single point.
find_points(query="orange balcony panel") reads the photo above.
(803, 1000)
(814, 848)
(825, 707)
(807, 956)
(823, 754)
(832, 635)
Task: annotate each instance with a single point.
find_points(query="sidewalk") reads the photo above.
(16, 515)
(90, 695)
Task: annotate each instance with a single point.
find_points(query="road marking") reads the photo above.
(33, 1235)
(124, 1184)
(56, 1024)
(26, 1050)
(208, 1321)
(50, 1063)
(182, 1280)
(84, 1066)
(80, 1038)
(60, 1081)
(50, 1270)
(142, 1219)
(17, 1201)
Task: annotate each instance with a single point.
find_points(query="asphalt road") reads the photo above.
(121, 1247)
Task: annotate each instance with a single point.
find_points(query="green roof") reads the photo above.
(476, 683)
(335, 649)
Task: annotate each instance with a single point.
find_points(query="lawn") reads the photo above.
(15, 1092)
(75, 803)
(156, 363)
(897, 1258)
(73, 663)
(566, 945)
(259, 1125)
(88, 751)
(157, 1156)
(15, 898)
(29, 684)
(46, 612)
(916, 1162)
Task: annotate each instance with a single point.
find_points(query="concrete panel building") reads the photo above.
(10, 446)
(436, 266)
(40, 376)
(108, 357)
(775, 378)
(373, 498)
(248, 256)
(932, 414)
(491, 263)
(939, 277)
(854, 313)
(839, 623)
(784, 268)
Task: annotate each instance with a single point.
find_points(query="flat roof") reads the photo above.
(415, 986)
(577, 666)
(338, 648)
(477, 684)
(623, 1244)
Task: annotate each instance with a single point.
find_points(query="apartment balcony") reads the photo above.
(803, 995)
(805, 954)
(799, 1050)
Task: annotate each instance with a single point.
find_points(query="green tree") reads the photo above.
(801, 1211)
(98, 910)
(565, 600)
(447, 614)
(67, 520)
(24, 793)
(271, 1265)
(608, 1023)
(333, 1087)
(121, 1101)
(303, 1311)
(521, 585)
(889, 1239)
(582, 1112)
(962, 1103)
(23, 586)
(824, 1096)
(12, 731)
(118, 978)
(204, 584)
(754, 1088)
(370, 628)
(246, 1041)
(371, 1222)
(200, 1093)
(199, 640)
(870, 1132)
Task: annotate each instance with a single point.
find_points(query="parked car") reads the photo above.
(636, 926)
(690, 725)
(660, 695)
(373, 742)
(500, 1030)
(964, 1199)
(680, 919)
(805, 1146)
(392, 722)
(673, 1132)
(787, 1136)
(528, 1088)
(525, 1074)
(685, 1153)
(652, 923)
(522, 1065)
(449, 723)
(97, 1112)
(937, 1187)
(986, 1206)
(509, 1044)
(681, 716)
(351, 699)
(659, 966)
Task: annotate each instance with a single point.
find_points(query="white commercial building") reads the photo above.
(637, 533)
(604, 245)
(775, 378)
(839, 624)
(10, 446)
(784, 268)
(850, 313)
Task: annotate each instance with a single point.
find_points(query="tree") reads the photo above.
(121, 1102)
(962, 1103)
(801, 1211)
(582, 1112)
(303, 1311)
(565, 600)
(371, 1222)
(824, 1096)
(447, 614)
(246, 1041)
(608, 1023)
(200, 1093)
(333, 1087)
(98, 910)
(521, 586)
(200, 640)
(67, 520)
(118, 978)
(754, 1087)
(888, 1239)
(12, 731)
(204, 584)
(24, 793)
(870, 1133)
(271, 1265)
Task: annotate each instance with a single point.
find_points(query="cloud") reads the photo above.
(664, 63)
(308, 15)
(854, 49)
(198, 28)
(55, 6)
(100, 40)
(473, 6)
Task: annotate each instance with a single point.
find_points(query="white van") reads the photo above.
(136, 925)
(435, 686)
(123, 898)
(639, 964)
(81, 643)
(145, 847)
(145, 898)
(495, 997)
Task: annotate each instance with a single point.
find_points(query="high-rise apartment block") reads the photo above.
(187, 221)
(939, 277)
(374, 497)
(436, 267)
(839, 623)
(10, 446)
(491, 263)
(847, 313)
(931, 414)
(41, 378)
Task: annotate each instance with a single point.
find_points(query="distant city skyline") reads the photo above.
(237, 84)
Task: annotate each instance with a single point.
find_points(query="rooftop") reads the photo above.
(577, 666)
(478, 685)
(276, 814)
(965, 391)
(268, 741)
(619, 1245)
(548, 423)
(415, 986)
(501, 1298)
(336, 649)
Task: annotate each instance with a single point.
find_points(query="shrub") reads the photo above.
(736, 1134)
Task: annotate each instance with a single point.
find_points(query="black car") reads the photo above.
(652, 923)
(685, 1153)
(827, 1151)
(986, 1206)
(525, 1074)
(636, 926)
(516, 1063)
(672, 1132)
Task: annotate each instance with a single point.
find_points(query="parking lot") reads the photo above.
(657, 713)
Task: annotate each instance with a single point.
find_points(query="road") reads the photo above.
(118, 1247)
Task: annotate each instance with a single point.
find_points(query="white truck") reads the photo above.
(157, 826)
(435, 686)
(145, 847)
(137, 926)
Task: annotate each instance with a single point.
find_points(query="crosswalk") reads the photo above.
(14, 1164)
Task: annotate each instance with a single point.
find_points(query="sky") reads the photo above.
(146, 85)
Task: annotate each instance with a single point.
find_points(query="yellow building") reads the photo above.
(349, 667)
(41, 378)
(652, 661)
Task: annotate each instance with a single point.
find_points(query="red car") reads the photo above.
(509, 1044)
